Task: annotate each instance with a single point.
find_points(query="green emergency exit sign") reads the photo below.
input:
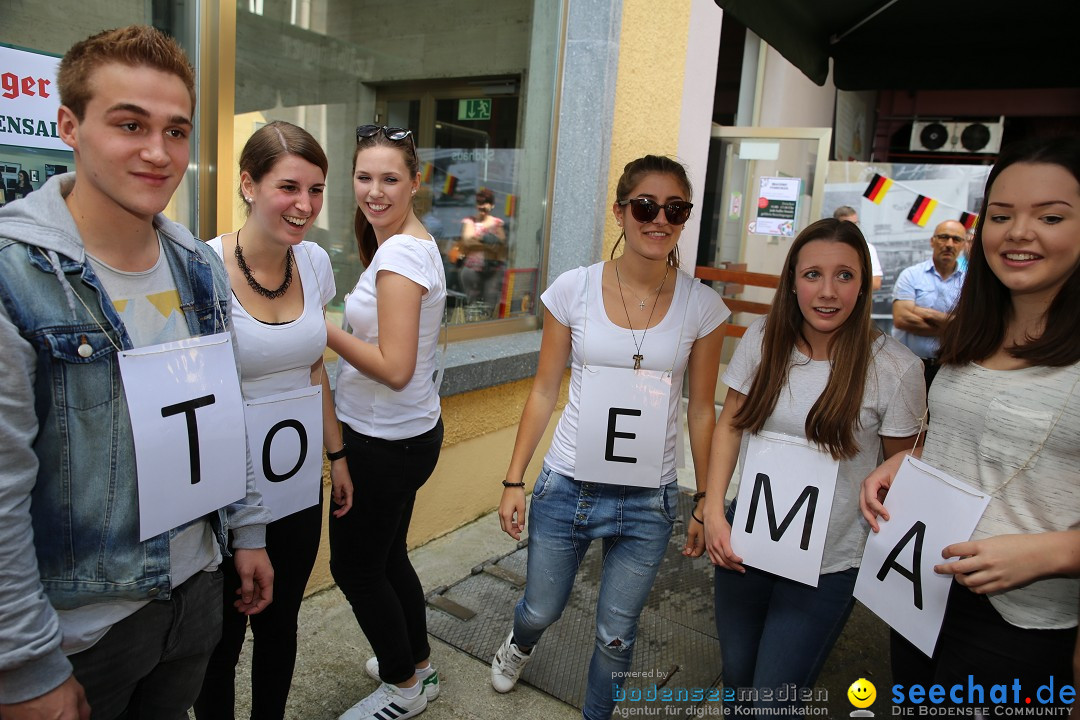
(474, 109)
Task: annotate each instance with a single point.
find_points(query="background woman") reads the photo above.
(483, 244)
(815, 368)
(635, 310)
(392, 420)
(23, 188)
(281, 284)
(1005, 413)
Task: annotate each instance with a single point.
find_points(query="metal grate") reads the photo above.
(676, 643)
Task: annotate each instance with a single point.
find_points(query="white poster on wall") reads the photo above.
(29, 99)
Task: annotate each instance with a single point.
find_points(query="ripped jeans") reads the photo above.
(565, 516)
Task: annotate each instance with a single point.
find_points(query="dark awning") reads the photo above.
(922, 44)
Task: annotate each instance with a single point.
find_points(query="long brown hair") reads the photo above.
(834, 417)
(366, 243)
(635, 171)
(983, 313)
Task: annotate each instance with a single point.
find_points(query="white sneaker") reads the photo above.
(429, 676)
(507, 666)
(387, 702)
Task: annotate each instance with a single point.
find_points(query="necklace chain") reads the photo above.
(638, 357)
(253, 283)
(641, 302)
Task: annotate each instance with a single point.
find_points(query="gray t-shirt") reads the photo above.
(893, 406)
(149, 306)
(1015, 434)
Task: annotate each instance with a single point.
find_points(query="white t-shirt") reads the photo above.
(1015, 434)
(894, 400)
(875, 263)
(366, 405)
(575, 299)
(278, 358)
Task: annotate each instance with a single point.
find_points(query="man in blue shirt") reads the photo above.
(926, 293)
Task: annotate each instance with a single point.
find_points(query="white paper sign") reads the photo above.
(285, 437)
(785, 499)
(622, 426)
(928, 510)
(29, 99)
(187, 418)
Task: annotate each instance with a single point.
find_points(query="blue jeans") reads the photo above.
(634, 525)
(774, 631)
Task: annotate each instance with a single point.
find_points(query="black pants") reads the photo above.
(147, 666)
(975, 640)
(292, 544)
(368, 554)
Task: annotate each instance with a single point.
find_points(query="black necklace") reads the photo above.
(253, 283)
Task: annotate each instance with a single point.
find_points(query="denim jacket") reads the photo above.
(69, 516)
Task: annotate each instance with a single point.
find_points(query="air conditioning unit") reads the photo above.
(957, 136)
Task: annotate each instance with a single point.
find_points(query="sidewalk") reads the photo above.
(330, 675)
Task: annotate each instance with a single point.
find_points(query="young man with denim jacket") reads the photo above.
(88, 265)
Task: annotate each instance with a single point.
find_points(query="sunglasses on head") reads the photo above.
(645, 210)
(396, 134)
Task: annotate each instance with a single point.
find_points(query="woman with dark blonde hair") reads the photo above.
(1006, 419)
(281, 284)
(816, 370)
(392, 420)
(631, 328)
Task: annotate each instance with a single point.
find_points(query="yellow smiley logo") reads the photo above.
(862, 693)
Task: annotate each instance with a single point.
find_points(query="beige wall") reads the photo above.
(480, 428)
(648, 89)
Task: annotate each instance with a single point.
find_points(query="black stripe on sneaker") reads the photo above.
(390, 712)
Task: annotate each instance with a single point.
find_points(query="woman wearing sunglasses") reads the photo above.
(390, 411)
(814, 375)
(630, 328)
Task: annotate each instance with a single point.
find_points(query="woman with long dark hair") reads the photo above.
(1005, 411)
(390, 410)
(815, 370)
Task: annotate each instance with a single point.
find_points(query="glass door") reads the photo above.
(762, 187)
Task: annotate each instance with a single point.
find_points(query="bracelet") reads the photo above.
(699, 495)
(511, 484)
(700, 520)
(336, 455)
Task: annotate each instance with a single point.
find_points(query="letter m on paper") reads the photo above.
(808, 497)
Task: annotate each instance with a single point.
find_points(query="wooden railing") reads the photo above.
(734, 279)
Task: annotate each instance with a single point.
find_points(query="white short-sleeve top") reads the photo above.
(575, 300)
(278, 358)
(366, 405)
(893, 403)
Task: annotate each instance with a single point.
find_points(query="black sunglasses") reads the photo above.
(645, 210)
(396, 134)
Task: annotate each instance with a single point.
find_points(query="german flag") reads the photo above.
(875, 191)
(426, 173)
(449, 184)
(968, 220)
(921, 210)
(511, 205)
